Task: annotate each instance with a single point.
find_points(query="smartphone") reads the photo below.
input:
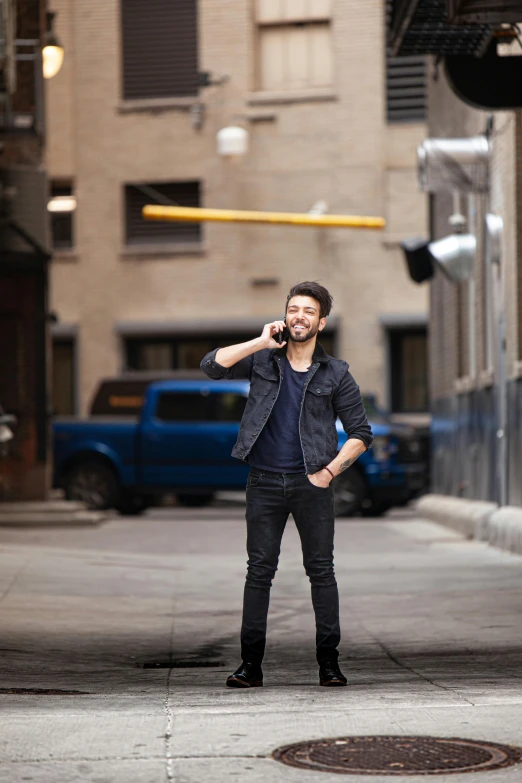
(282, 337)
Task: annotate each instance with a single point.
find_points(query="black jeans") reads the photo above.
(271, 497)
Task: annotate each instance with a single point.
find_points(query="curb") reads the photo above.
(49, 513)
(476, 519)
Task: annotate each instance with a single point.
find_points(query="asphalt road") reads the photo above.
(432, 646)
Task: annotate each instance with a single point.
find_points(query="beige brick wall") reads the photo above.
(339, 150)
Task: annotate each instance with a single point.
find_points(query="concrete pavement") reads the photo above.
(432, 643)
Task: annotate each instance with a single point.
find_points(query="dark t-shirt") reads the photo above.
(278, 447)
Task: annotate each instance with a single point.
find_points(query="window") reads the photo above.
(64, 377)
(406, 99)
(185, 353)
(160, 48)
(140, 231)
(295, 46)
(232, 406)
(166, 353)
(185, 407)
(409, 370)
(61, 207)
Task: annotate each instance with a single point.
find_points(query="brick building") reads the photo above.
(475, 324)
(329, 119)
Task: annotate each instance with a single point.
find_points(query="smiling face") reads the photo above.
(303, 319)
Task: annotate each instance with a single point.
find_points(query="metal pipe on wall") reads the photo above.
(472, 293)
(496, 278)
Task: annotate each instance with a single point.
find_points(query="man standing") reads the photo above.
(289, 438)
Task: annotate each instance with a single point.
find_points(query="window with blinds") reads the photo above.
(406, 99)
(294, 44)
(140, 231)
(160, 48)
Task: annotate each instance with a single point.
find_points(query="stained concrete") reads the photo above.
(432, 645)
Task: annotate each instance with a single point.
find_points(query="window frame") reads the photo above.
(65, 185)
(165, 240)
(395, 366)
(261, 24)
(127, 95)
(72, 338)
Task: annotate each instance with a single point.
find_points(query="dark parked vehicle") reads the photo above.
(147, 437)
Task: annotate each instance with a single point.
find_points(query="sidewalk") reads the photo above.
(432, 645)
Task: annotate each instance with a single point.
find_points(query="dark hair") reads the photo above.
(316, 291)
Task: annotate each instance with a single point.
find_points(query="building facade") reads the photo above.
(475, 343)
(475, 314)
(132, 119)
(25, 473)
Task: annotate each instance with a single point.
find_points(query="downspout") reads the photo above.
(496, 278)
(472, 294)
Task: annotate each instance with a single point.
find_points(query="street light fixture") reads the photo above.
(52, 53)
(454, 255)
(232, 141)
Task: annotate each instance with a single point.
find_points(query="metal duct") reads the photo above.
(454, 165)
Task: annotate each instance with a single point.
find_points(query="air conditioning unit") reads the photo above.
(484, 11)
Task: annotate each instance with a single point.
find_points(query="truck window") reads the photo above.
(186, 406)
(231, 407)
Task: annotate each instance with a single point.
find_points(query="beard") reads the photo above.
(301, 337)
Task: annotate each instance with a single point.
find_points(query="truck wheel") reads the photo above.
(194, 501)
(132, 505)
(376, 508)
(94, 483)
(349, 493)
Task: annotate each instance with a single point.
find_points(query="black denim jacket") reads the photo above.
(330, 391)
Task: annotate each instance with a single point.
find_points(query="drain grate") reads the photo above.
(180, 664)
(398, 755)
(41, 692)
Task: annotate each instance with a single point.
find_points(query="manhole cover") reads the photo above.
(398, 755)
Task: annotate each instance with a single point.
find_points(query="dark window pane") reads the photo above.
(232, 406)
(185, 407)
(62, 222)
(409, 370)
(140, 231)
(184, 353)
(149, 355)
(160, 48)
(63, 378)
(327, 342)
(191, 352)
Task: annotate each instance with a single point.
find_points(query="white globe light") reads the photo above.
(52, 57)
(232, 142)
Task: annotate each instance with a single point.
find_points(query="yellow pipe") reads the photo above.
(196, 215)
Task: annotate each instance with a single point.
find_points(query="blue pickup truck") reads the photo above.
(147, 438)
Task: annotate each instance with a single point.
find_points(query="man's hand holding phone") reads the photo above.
(273, 334)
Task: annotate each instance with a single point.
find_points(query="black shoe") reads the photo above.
(330, 674)
(249, 675)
